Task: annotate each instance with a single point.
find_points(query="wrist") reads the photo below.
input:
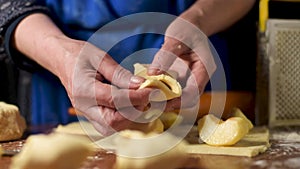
(194, 15)
(37, 37)
(62, 53)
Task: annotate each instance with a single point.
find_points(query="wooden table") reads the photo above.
(284, 153)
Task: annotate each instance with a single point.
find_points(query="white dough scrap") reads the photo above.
(53, 151)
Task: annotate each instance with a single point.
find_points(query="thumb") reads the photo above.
(166, 56)
(118, 75)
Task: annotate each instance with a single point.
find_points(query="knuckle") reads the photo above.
(144, 97)
(110, 101)
(116, 123)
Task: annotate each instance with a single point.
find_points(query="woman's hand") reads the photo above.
(187, 51)
(185, 42)
(101, 89)
(96, 85)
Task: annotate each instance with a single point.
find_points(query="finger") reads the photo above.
(166, 56)
(182, 69)
(118, 75)
(132, 113)
(183, 102)
(121, 119)
(161, 62)
(199, 76)
(110, 69)
(113, 97)
(200, 70)
(189, 98)
(203, 56)
(193, 89)
(106, 120)
(180, 37)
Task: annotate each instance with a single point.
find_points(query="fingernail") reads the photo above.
(136, 80)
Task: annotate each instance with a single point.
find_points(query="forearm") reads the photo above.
(212, 16)
(37, 37)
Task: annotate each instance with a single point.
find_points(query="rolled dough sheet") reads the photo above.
(255, 142)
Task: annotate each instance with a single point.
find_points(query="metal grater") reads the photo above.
(278, 74)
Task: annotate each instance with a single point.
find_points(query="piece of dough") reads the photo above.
(140, 70)
(138, 155)
(236, 112)
(82, 128)
(155, 126)
(168, 86)
(54, 151)
(85, 128)
(170, 118)
(215, 131)
(255, 142)
(12, 124)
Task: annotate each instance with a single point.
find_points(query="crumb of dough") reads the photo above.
(12, 124)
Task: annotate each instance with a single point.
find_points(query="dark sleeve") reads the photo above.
(12, 12)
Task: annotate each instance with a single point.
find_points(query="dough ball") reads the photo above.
(59, 151)
(12, 124)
